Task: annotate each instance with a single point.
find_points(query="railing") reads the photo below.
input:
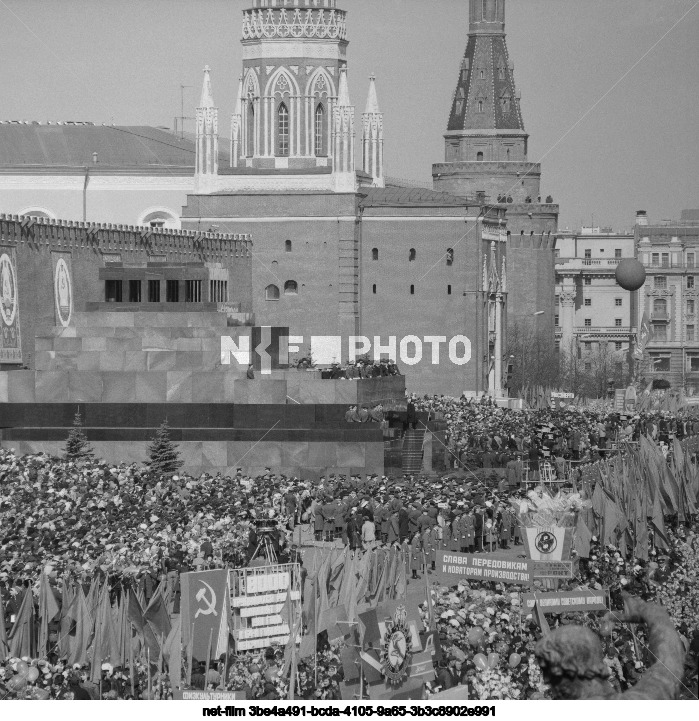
(588, 262)
(609, 330)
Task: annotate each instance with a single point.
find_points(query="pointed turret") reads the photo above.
(236, 125)
(372, 137)
(344, 177)
(207, 138)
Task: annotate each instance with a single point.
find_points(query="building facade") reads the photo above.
(486, 153)
(669, 299)
(595, 317)
(338, 251)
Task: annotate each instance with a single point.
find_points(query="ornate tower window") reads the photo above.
(479, 156)
(321, 149)
(282, 130)
(251, 129)
(480, 106)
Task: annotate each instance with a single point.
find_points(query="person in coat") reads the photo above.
(393, 535)
(416, 554)
(403, 524)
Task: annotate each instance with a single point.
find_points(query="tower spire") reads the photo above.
(372, 137)
(344, 176)
(207, 138)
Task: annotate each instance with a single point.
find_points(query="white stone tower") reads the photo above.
(372, 137)
(206, 139)
(344, 176)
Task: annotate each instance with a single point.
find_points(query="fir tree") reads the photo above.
(78, 448)
(164, 459)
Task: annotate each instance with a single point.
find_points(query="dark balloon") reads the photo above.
(630, 274)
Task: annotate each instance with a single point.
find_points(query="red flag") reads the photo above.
(22, 637)
(541, 619)
(48, 610)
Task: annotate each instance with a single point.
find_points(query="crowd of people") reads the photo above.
(482, 435)
(92, 520)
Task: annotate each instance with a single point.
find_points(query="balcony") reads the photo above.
(598, 264)
(660, 316)
(606, 330)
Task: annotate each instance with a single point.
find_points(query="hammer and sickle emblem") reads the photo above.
(209, 602)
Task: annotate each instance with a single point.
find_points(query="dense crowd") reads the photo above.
(482, 435)
(91, 521)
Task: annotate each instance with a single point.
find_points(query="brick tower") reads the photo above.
(486, 152)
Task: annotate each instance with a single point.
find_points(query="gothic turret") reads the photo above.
(236, 125)
(207, 138)
(344, 176)
(372, 137)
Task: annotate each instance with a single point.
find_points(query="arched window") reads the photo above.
(508, 153)
(660, 305)
(412, 255)
(373, 289)
(321, 149)
(412, 290)
(374, 253)
(480, 106)
(479, 156)
(271, 292)
(287, 246)
(450, 256)
(448, 290)
(251, 129)
(485, 9)
(291, 287)
(282, 130)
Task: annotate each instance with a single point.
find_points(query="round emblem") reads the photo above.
(545, 542)
(8, 290)
(63, 292)
(396, 654)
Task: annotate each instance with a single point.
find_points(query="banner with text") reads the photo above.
(451, 567)
(566, 601)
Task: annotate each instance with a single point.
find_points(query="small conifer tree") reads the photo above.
(78, 448)
(163, 456)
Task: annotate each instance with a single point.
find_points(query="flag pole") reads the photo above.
(150, 685)
(131, 673)
(208, 658)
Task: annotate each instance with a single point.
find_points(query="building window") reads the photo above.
(287, 246)
(617, 345)
(588, 366)
(618, 302)
(557, 346)
(448, 290)
(555, 321)
(112, 291)
(588, 281)
(588, 301)
(660, 281)
(665, 260)
(588, 322)
(690, 281)
(172, 291)
(412, 290)
(271, 292)
(690, 260)
(690, 333)
(659, 362)
(479, 154)
(693, 363)
(659, 331)
(617, 253)
(659, 306)
(655, 259)
(617, 322)
(320, 131)
(588, 253)
(373, 289)
(154, 291)
(374, 253)
(450, 256)
(690, 307)
(412, 255)
(480, 106)
(291, 287)
(218, 291)
(192, 291)
(134, 291)
(251, 130)
(283, 130)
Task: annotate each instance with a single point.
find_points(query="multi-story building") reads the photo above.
(670, 297)
(594, 315)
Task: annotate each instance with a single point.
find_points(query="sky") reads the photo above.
(610, 90)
